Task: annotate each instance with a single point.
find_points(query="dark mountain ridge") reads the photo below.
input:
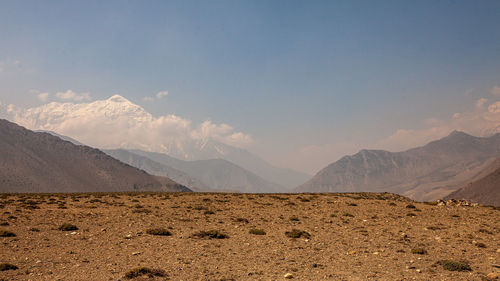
(40, 162)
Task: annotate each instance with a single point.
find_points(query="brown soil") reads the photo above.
(352, 237)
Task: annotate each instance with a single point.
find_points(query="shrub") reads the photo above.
(295, 233)
(67, 227)
(158, 231)
(6, 233)
(140, 271)
(256, 231)
(211, 234)
(419, 251)
(7, 266)
(242, 220)
(455, 265)
(481, 245)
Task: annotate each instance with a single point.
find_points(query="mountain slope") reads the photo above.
(41, 162)
(424, 173)
(216, 173)
(158, 169)
(484, 190)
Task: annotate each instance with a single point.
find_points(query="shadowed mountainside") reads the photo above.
(485, 189)
(41, 162)
(424, 173)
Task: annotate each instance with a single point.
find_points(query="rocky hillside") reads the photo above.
(424, 173)
(40, 162)
(484, 190)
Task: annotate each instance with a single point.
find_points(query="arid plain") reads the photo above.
(217, 236)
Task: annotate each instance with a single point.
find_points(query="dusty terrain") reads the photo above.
(352, 237)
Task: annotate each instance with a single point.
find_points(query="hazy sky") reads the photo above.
(305, 81)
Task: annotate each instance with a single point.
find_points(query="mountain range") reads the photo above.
(40, 162)
(111, 122)
(423, 173)
(202, 175)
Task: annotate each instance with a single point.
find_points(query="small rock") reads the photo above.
(493, 276)
(498, 250)
(288, 276)
(73, 233)
(136, 253)
(315, 265)
(418, 270)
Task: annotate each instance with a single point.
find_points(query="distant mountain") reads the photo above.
(424, 173)
(218, 174)
(241, 157)
(484, 189)
(41, 162)
(158, 169)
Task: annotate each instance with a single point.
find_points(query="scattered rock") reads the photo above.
(454, 202)
(288, 276)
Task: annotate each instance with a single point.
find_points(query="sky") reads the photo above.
(299, 83)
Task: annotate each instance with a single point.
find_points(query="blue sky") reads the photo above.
(333, 75)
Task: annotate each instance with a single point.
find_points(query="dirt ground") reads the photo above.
(352, 237)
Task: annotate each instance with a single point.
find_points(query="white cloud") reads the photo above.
(118, 123)
(222, 132)
(43, 96)
(481, 121)
(69, 95)
(162, 94)
(481, 102)
(495, 91)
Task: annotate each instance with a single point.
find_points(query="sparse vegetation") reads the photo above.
(211, 234)
(7, 266)
(141, 271)
(455, 265)
(481, 245)
(295, 233)
(68, 227)
(257, 231)
(243, 220)
(6, 233)
(419, 251)
(159, 232)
